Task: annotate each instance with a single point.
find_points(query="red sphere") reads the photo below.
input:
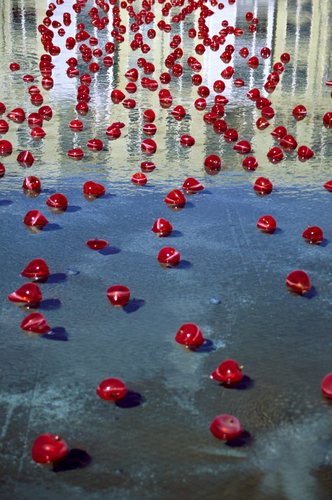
(147, 166)
(304, 153)
(250, 163)
(25, 158)
(243, 147)
(279, 132)
(95, 144)
(313, 234)
(168, 257)
(187, 140)
(192, 186)
(149, 146)
(57, 201)
(162, 227)
(93, 189)
(32, 183)
(35, 219)
(3, 127)
(298, 282)
(75, 154)
(326, 386)
(149, 115)
(288, 142)
(97, 244)
(175, 199)
(49, 448)
(299, 112)
(27, 295)
(267, 224)
(212, 163)
(275, 155)
(263, 186)
(16, 115)
(226, 427)
(231, 135)
(190, 336)
(76, 125)
(35, 323)
(139, 179)
(328, 186)
(112, 389)
(118, 295)
(229, 372)
(36, 270)
(327, 119)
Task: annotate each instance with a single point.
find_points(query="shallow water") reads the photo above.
(230, 281)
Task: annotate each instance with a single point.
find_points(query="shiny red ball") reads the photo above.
(49, 448)
(118, 295)
(112, 389)
(190, 336)
(229, 372)
(226, 427)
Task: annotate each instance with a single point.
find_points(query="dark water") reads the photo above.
(230, 282)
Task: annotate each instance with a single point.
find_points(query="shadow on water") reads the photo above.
(50, 304)
(207, 346)
(51, 227)
(133, 305)
(175, 234)
(5, 203)
(110, 251)
(184, 264)
(57, 333)
(76, 459)
(311, 294)
(245, 383)
(131, 400)
(244, 439)
(57, 278)
(73, 209)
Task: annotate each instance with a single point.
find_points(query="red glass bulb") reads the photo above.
(149, 146)
(226, 427)
(147, 166)
(231, 135)
(118, 295)
(57, 201)
(27, 295)
(75, 154)
(139, 179)
(187, 140)
(49, 448)
(250, 163)
(192, 186)
(149, 115)
(93, 189)
(304, 153)
(37, 133)
(288, 142)
(326, 386)
(35, 120)
(267, 224)
(97, 244)
(299, 112)
(46, 112)
(35, 219)
(95, 144)
(36, 270)
(32, 183)
(328, 186)
(229, 372)
(179, 112)
(76, 125)
(212, 163)
(149, 129)
(168, 257)
(175, 199)
(190, 336)
(263, 186)
(117, 96)
(298, 282)
(275, 155)
(162, 227)
(16, 115)
(35, 323)
(243, 147)
(25, 158)
(279, 132)
(313, 234)
(112, 389)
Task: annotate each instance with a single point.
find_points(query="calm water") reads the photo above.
(230, 282)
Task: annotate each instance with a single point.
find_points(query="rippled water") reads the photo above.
(230, 282)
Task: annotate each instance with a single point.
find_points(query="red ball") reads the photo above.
(298, 282)
(93, 189)
(327, 119)
(313, 234)
(75, 154)
(263, 186)
(162, 227)
(168, 257)
(57, 201)
(25, 158)
(95, 145)
(97, 244)
(149, 146)
(35, 323)
(112, 389)
(35, 219)
(212, 163)
(250, 163)
(187, 140)
(229, 372)
(190, 336)
(267, 224)
(326, 386)
(243, 147)
(226, 427)
(275, 155)
(36, 270)
(299, 112)
(118, 295)
(192, 186)
(175, 199)
(49, 448)
(32, 183)
(27, 295)
(139, 179)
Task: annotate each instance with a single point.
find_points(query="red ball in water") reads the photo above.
(250, 163)
(95, 145)
(298, 282)
(327, 119)
(326, 386)
(190, 336)
(76, 125)
(212, 163)
(49, 448)
(304, 153)
(57, 201)
(149, 146)
(243, 147)
(147, 166)
(16, 115)
(162, 227)
(97, 244)
(27, 295)
(226, 427)
(139, 179)
(175, 199)
(263, 186)
(112, 389)
(118, 295)
(35, 219)
(32, 184)
(299, 112)
(267, 224)
(75, 154)
(169, 257)
(275, 155)
(35, 323)
(3, 127)
(36, 270)
(192, 186)
(229, 372)
(93, 189)
(187, 140)
(313, 234)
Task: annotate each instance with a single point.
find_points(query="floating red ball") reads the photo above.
(49, 448)
(35, 323)
(190, 336)
(118, 295)
(112, 389)
(27, 295)
(36, 270)
(229, 372)
(298, 282)
(226, 427)
(267, 224)
(169, 257)
(313, 234)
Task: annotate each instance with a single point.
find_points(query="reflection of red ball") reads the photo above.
(112, 389)
(49, 448)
